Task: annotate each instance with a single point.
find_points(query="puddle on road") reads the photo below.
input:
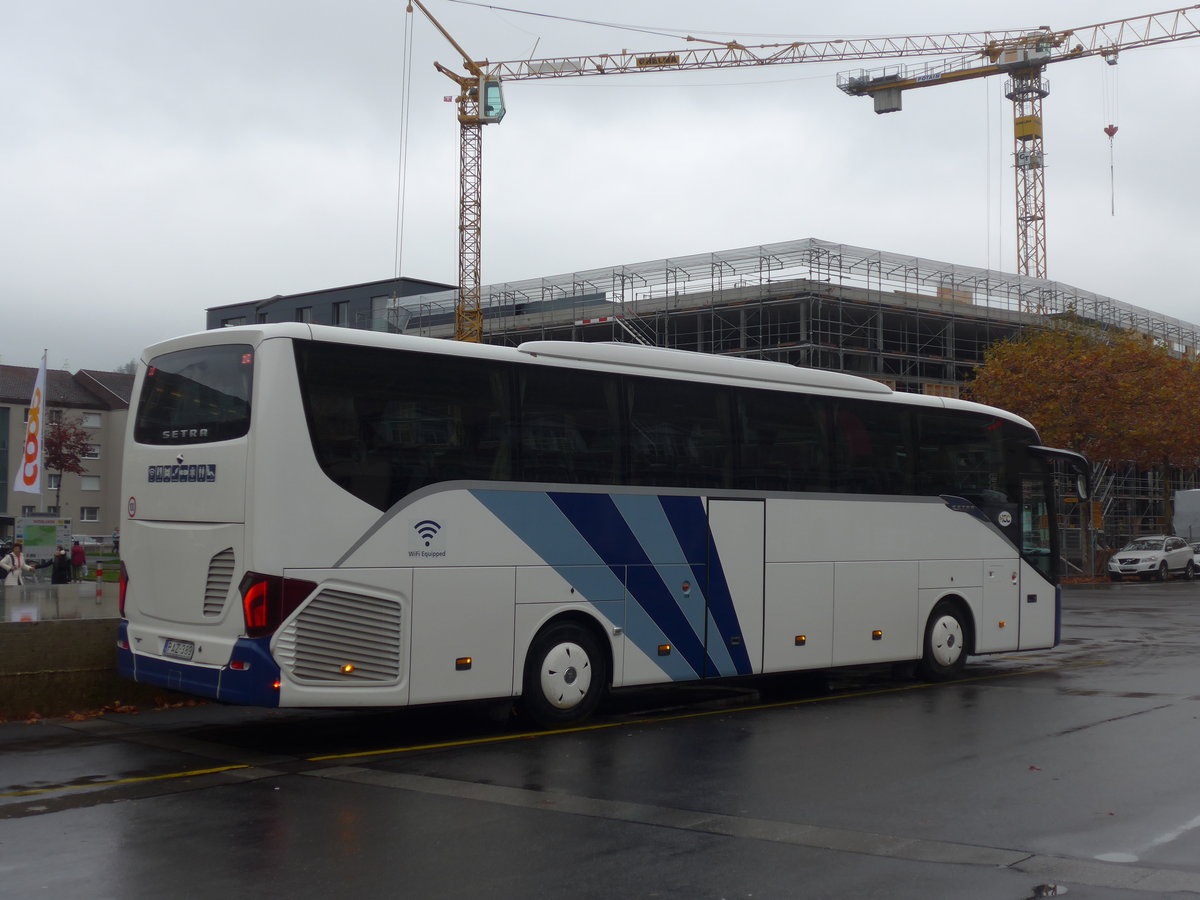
(1118, 857)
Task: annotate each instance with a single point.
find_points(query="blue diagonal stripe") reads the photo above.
(597, 519)
(547, 531)
(610, 546)
(690, 524)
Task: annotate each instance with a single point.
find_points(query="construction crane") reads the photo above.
(1023, 59)
(480, 102)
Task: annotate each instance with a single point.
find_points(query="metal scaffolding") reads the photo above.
(748, 302)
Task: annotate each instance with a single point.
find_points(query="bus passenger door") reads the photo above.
(734, 592)
(1039, 608)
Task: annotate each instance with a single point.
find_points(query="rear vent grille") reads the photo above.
(220, 577)
(343, 638)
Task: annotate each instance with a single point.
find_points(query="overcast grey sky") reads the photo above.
(158, 158)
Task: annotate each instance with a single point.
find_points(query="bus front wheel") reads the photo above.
(566, 673)
(945, 651)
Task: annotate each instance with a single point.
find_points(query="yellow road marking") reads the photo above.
(624, 723)
(577, 729)
(33, 792)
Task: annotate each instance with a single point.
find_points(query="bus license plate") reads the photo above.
(179, 649)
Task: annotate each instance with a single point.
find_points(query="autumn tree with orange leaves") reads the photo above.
(1110, 395)
(1107, 394)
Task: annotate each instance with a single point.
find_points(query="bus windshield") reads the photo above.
(196, 396)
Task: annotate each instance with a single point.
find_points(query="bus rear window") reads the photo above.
(196, 396)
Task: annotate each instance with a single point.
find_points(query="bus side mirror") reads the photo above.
(1081, 485)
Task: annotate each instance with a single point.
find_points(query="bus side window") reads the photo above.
(962, 455)
(478, 408)
(872, 448)
(457, 414)
(384, 424)
(783, 446)
(680, 434)
(569, 432)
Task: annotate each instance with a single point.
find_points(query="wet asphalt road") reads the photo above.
(1074, 767)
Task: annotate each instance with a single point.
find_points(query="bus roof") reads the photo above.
(611, 356)
(691, 362)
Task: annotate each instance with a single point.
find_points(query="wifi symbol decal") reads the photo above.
(427, 530)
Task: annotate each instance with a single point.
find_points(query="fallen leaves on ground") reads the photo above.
(160, 703)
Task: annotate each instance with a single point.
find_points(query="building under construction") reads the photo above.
(919, 325)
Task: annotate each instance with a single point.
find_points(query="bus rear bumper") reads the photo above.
(256, 684)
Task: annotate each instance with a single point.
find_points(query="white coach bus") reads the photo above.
(328, 517)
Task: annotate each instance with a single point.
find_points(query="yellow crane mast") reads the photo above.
(480, 103)
(1023, 59)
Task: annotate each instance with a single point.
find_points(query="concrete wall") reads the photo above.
(66, 660)
(52, 668)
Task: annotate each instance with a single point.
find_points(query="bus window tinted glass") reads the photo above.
(570, 429)
(872, 448)
(385, 423)
(680, 434)
(783, 442)
(196, 396)
(962, 454)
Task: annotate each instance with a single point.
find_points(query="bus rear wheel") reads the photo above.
(566, 674)
(945, 651)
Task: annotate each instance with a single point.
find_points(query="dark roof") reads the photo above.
(116, 387)
(404, 279)
(86, 389)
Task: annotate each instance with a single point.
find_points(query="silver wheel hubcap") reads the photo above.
(566, 675)
(946, 640)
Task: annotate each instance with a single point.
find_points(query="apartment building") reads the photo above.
(99, 402)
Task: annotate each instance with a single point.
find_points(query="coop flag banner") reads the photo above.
(29, 476)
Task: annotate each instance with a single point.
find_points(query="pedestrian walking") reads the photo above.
(78, 561)
(14, 567)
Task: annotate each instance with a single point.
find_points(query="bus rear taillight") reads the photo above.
(124, 587)
(259, 594)
(269, 599)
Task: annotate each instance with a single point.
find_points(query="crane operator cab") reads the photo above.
(491, 100)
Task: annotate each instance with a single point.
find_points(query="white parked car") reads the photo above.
(1154, 556)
